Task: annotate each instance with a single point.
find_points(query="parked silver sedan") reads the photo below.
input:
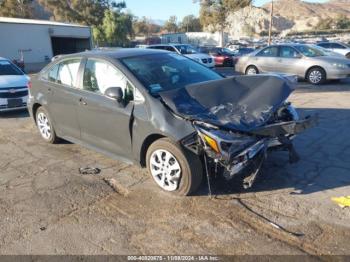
(305, 61)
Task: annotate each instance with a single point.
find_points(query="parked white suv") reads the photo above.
(337, 47)
(13, 86)
(188, 51)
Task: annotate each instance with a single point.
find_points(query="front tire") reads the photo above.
(316, 76)
(251, 70)
(45, 126)
(172, 168)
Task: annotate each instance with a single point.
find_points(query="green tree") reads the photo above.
(140, 26)
(87, 12)
(115, 30)
(190, 23)
(342, 22)
(171, 25)
(16, 8)
(145, 27)
(214, 13)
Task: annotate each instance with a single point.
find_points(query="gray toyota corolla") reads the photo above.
(166, 112)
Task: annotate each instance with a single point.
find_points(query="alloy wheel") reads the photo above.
(315, 76)
(251, 71)
(44, 126)
(165, 169)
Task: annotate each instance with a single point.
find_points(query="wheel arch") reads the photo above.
(35, 108)
(146, 144)
(312, 67)
(251, 65)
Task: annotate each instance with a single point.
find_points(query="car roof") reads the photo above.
(2, 58)
(118, 53)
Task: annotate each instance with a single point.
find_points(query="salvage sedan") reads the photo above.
(165, 112)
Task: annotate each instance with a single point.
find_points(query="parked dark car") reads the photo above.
(165, 112)
(222, 56)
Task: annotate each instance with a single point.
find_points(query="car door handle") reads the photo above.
(82, 102)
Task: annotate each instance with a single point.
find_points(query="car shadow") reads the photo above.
(324, 161)
(329, 86)
(15, 114)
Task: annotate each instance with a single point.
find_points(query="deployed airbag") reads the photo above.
(243, 103)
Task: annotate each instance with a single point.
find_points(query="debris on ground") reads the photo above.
(342, 201)
(116, 186)
(89, 170)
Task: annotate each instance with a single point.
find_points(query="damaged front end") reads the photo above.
(238, 120)
(244, 152)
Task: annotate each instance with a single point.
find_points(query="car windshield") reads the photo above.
(186, 49)
(227, 51)
(162, 72)
(310, 51)
(7, 68)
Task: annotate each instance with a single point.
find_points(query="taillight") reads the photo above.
(29, 84)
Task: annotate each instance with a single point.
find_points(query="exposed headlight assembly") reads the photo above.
(223, 142)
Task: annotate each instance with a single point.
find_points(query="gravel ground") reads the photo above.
(49, 208)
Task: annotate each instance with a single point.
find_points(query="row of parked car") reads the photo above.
(314, 63)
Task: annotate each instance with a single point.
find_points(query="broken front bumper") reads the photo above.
(236, 159)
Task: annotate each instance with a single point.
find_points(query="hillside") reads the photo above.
(297, 9)
(289, 15)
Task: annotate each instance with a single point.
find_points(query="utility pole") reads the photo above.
(271, 22)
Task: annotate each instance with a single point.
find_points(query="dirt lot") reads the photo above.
(47, 207)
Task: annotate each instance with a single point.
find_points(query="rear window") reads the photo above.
(7, 68)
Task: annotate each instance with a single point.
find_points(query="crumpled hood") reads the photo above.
(242, 103)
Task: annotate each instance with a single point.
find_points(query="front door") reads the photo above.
(290, 61)
(105, 123)
(266, 59)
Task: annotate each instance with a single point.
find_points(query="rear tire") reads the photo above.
(316, 76)
(45, 126)
(173, 169)
(348, 55)
(251, 70)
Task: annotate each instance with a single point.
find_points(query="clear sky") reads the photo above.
(163, 9)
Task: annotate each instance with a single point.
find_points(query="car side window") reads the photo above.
(51, 74)
(288, 52)
(170, 48)
(100, 75)
(68, 72)
(338, 46)
(325, 45)
(269, 52)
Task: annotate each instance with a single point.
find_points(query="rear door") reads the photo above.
(59, 86)
(105, 123)
(266, 59)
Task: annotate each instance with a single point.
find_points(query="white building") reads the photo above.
(194, 38)
(37, 41)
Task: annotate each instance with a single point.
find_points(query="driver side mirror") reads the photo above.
(115, 93)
